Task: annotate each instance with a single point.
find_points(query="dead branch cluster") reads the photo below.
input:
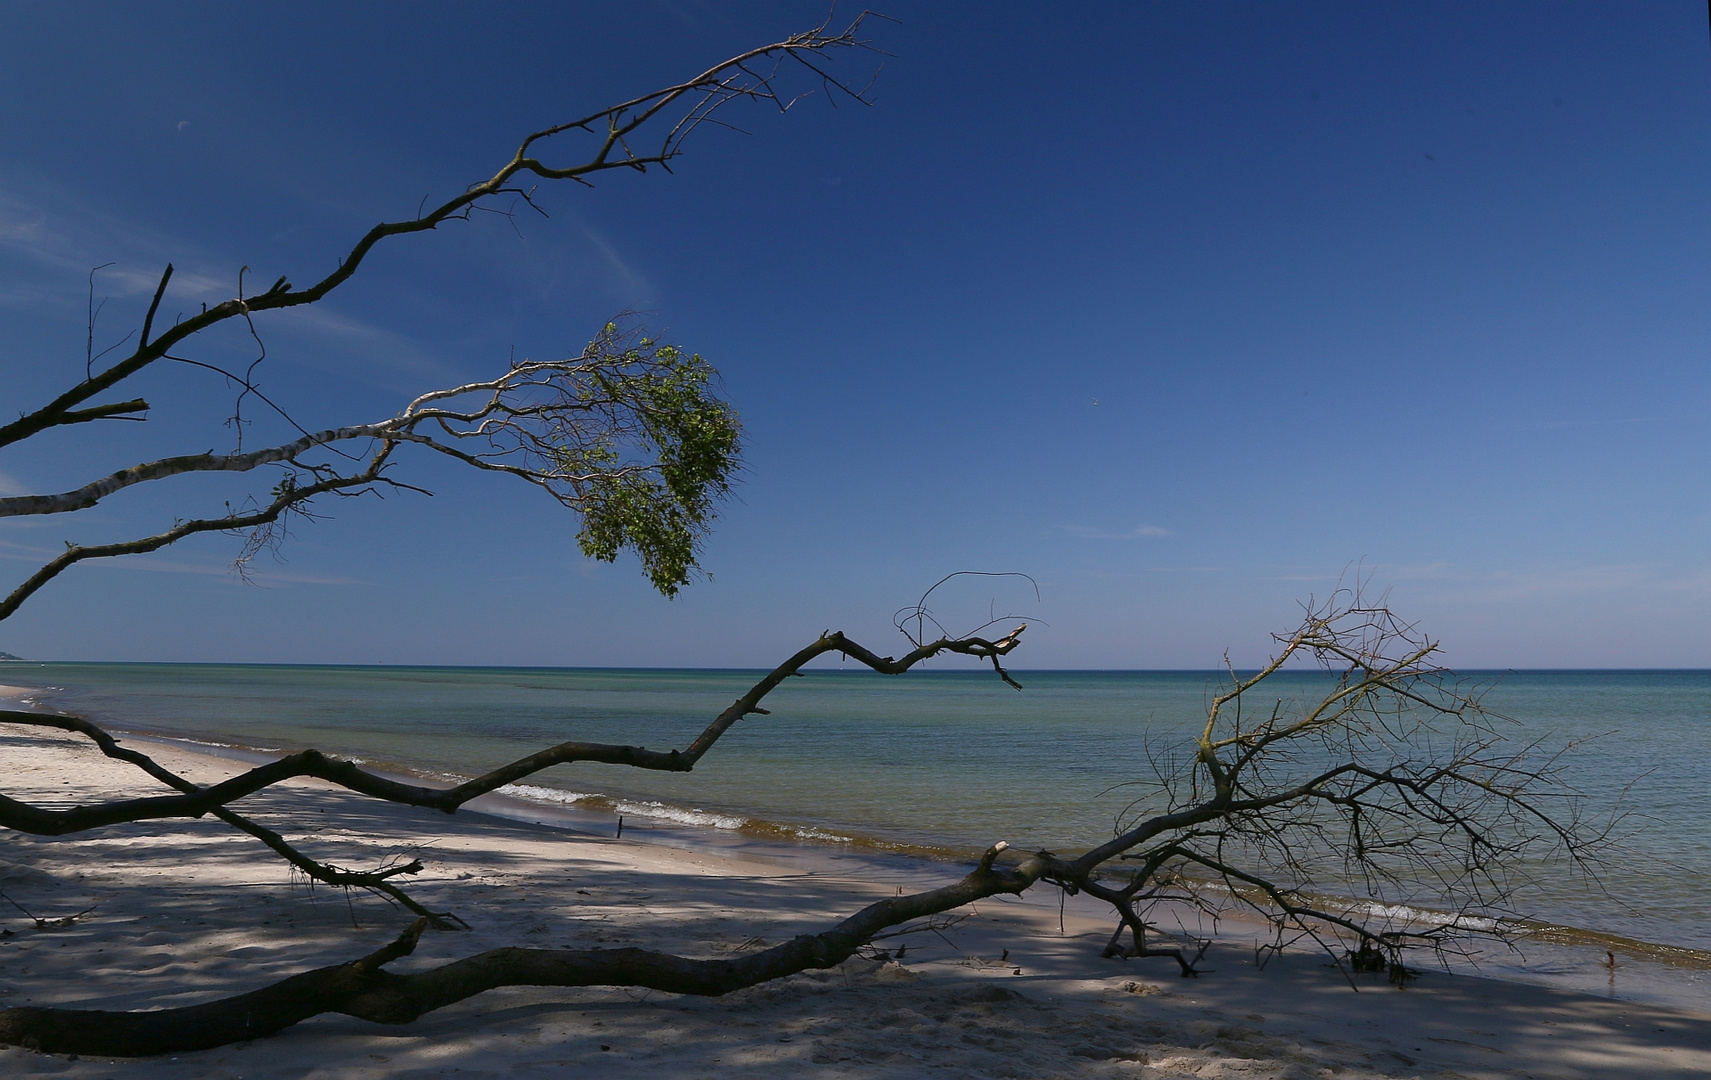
(1371, 804)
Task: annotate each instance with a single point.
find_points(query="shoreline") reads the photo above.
(192, 910)
(782, 843)
(1550, 954)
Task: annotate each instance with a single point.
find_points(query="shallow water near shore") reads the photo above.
(932, 763)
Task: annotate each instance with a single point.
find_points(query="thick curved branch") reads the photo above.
(1455, 822)
(365, 990)
(326, 873)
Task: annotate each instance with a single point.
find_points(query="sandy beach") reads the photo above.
(189, 911)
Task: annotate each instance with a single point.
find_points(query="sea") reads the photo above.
(940, 764)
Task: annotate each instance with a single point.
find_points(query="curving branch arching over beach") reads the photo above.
(195, 800)
(1395, 781)
(312, 763)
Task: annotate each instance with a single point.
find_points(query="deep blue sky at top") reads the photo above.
(1420, 289)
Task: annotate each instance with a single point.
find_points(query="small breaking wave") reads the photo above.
(648, 808)
(1407, 913)
(536, 793)
(245, 747)
(680, 815)
(655, 810)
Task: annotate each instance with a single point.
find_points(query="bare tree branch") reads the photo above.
(733, 80)
(286, 499)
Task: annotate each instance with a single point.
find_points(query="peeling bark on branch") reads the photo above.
(92, 493)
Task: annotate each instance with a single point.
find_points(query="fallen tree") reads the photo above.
(1393, 784)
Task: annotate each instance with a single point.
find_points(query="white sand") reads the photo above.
(185, 911)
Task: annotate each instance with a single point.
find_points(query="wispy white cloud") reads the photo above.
(1139, 532)
(375, 344)
(60, 240)
(73, 239)
(260, 573)
(636, 285)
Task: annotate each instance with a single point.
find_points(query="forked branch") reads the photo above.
(629, 433)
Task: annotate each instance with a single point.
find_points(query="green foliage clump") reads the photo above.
(690, 441)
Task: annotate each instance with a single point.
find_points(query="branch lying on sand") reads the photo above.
(194, 800)
(362, 988)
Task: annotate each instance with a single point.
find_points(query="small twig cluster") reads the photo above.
(1389, 782)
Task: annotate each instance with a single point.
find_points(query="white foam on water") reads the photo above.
(681, 815)
(540, 794)
(660, 811)
(225, 745)
(1407, 913)
(807, 833)
(650, 808)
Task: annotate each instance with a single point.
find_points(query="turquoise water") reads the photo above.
(944, 761)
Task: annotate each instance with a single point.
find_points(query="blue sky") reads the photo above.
(1415, 289)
